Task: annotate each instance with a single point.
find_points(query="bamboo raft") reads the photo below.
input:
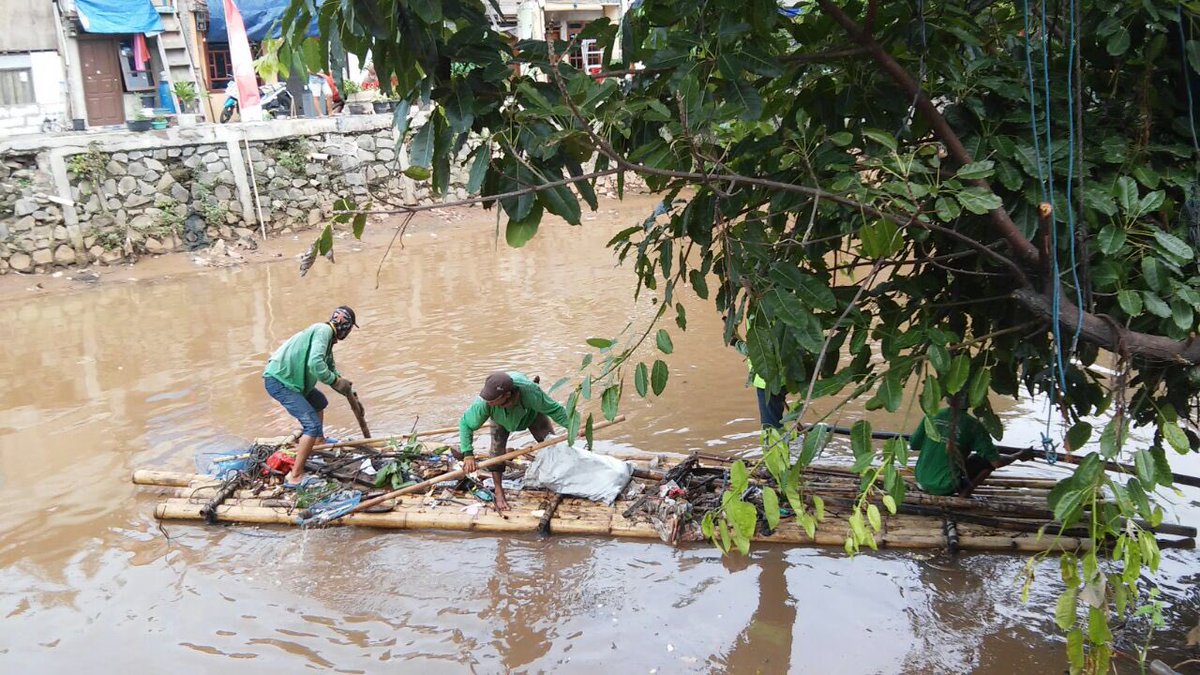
(1007, 513)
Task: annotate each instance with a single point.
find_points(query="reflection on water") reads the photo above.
(100, 382)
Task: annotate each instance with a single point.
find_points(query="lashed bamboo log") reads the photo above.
(611, 523)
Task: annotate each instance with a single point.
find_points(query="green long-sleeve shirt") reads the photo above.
(533, 402)
(936, 472)
(305, 359)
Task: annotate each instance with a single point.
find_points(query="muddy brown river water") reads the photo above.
(97, 381)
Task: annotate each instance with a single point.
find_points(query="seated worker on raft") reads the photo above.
(514, 403)
(291, 378)
(975, 456)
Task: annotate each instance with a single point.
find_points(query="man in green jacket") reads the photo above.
(975, 457)
(291, 378)
(514, 403)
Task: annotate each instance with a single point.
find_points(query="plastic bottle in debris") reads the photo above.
(479, 490)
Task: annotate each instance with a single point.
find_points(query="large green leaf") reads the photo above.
(1126, 192)
(881, 137)
(610, 399)
(931, 396)
(658, 377)
(1111, 239)
(743, 95)
(978, 200)
(743, 517)
(561, 202)
(400, 121)
(421, 152)
(1173, 245)
(663, 340)
(975, 170)
(771, 507)
(1078, 436)
(483, 156)
(814, 443)
(785, 307)
(860, 440)
(1156, 305)
(460, 107)
(1175, 436)
(880, 239)
(641, 380)
(1182, 315)
(960, 370)
(1143, 461)
(811, 290)
(890, 391)
(519, 232)
(939, 357)
(429, 11)
(978, 390)
(1064, 612)
(1130, 301)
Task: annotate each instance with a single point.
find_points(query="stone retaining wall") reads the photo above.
(106, 198)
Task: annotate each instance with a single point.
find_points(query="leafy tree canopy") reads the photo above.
(974, 196)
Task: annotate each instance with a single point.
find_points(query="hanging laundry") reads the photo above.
(141, 53)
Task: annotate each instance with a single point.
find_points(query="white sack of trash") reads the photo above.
(579, 473)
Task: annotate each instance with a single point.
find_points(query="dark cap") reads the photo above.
(346, 312)
(496, 385)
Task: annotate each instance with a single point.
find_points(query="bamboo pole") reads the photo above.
(384, 440)
(830, 533)
(170, 478)
(455, 475)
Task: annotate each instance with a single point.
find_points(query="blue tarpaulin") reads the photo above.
(260, 16)
(118, 16)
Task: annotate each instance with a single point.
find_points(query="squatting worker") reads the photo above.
(512, 402)
(975, 457)
(293, 372)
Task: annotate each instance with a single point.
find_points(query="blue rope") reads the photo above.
(1073, 54)
(1037, 150)
(1050, 448)
(1046, 90)
(1056, 299)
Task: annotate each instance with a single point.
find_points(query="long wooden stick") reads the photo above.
(384, 440)
(1117, 467)
(543, 528)
(459, 473)
(359, 414)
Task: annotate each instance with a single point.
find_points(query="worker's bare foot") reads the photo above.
(292, 481)
(501, 504)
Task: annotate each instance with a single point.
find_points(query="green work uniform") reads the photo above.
(533, 402)
(937, 473)
(305, 359)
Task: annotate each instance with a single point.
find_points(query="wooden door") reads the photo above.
(102, 93)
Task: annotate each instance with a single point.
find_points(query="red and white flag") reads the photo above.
(243, 64)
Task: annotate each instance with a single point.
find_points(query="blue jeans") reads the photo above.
(303, 408)
(770, 407)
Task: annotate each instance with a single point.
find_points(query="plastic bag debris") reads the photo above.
(571, 471)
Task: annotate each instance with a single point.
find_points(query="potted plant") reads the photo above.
(185, 92)
(383, 106)
(160, 121)
(140, 122)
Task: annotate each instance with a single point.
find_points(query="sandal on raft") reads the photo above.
(309, 480)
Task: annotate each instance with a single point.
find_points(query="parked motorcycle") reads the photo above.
(274, 98)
